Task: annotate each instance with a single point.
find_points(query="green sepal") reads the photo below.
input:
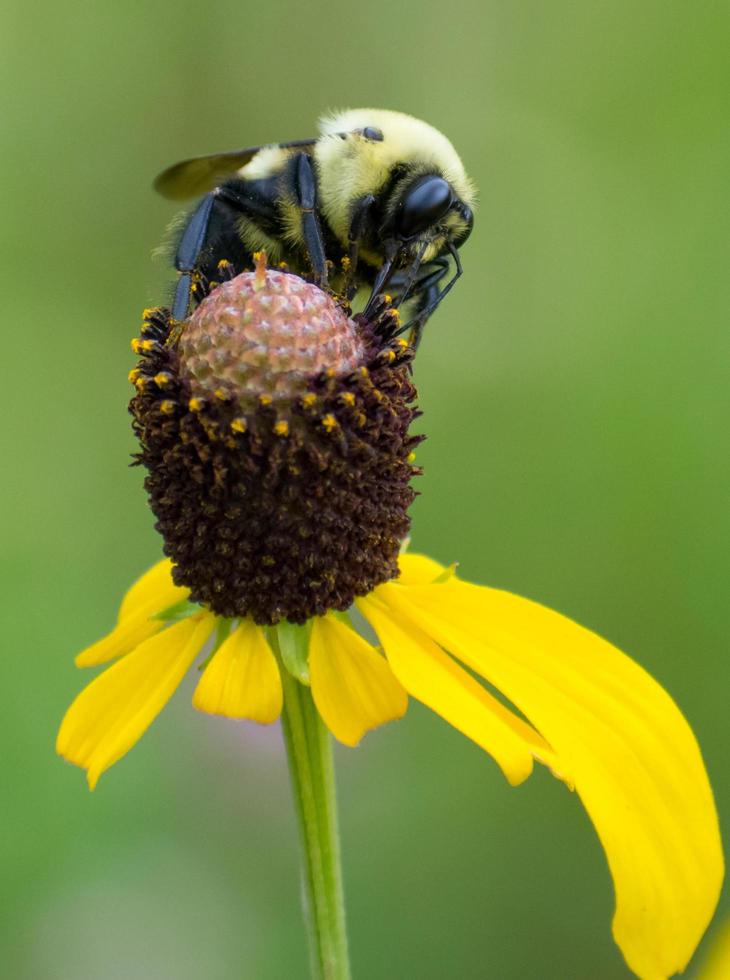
(293, 641)
(177, 611)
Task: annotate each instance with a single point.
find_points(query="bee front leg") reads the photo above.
(360, 223)
(428, 296)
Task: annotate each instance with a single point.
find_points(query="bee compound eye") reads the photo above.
(423, 204)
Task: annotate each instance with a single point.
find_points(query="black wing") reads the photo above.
(191, 178)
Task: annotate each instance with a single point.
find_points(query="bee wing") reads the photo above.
(191, 178)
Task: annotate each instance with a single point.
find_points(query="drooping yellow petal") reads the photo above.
(633, 758)
(112, 713)
(242, 679)
(150, 594)
(352, 685)
(125, 637)
(156, 586)
(418, 569)
(434, 678)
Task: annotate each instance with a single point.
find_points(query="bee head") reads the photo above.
(428, 217)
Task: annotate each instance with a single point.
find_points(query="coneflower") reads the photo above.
(275, 430)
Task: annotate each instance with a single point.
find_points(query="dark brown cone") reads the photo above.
(277, 507)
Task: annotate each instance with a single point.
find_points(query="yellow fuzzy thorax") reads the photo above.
(355, 166)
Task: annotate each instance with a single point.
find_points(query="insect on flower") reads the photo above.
(275, 430)
(384, 192)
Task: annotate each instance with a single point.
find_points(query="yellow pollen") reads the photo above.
(147, 345)
(149, 312)
(330, 372)
(239, 425)
(265, 400)
(347, 398)
(346, 263)
(162, 379)
(140, 382)
(411, 458)
(388, 355)
(223, 264)
(392, 312)
(167, 406)
(361, 419)
(388, 299)
(221, 394)
(309, 400)
(195, 404)
(136, 345)
(402, 343)
(133, 375)
(282, 428)
(329, 422)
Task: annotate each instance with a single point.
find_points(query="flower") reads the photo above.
(281, 488)
(594, 717)
(274, 429)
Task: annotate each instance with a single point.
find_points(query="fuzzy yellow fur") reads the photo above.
(256, 240)
(349, 168)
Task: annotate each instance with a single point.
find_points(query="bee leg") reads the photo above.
(407, 289)
(305, 193)
(212, 234)
(385, 274)
(359, 225)
(188, 253)
(416, 333)
(427, 297)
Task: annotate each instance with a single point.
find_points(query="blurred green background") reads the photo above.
(576, 396)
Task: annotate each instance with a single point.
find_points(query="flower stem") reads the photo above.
(309, 750)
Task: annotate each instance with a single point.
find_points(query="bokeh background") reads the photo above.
(576, 396)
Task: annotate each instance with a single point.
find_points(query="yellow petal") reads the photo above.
(150, 594)
(242, 680)
(156, 586)
(431, 676)
(352, 685)
(716, 965)
(633, 758)
(110, 715)
(418, 569)
(123, 638)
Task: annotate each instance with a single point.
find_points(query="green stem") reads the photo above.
(309, 750)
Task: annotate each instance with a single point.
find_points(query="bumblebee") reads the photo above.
(379, 194)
